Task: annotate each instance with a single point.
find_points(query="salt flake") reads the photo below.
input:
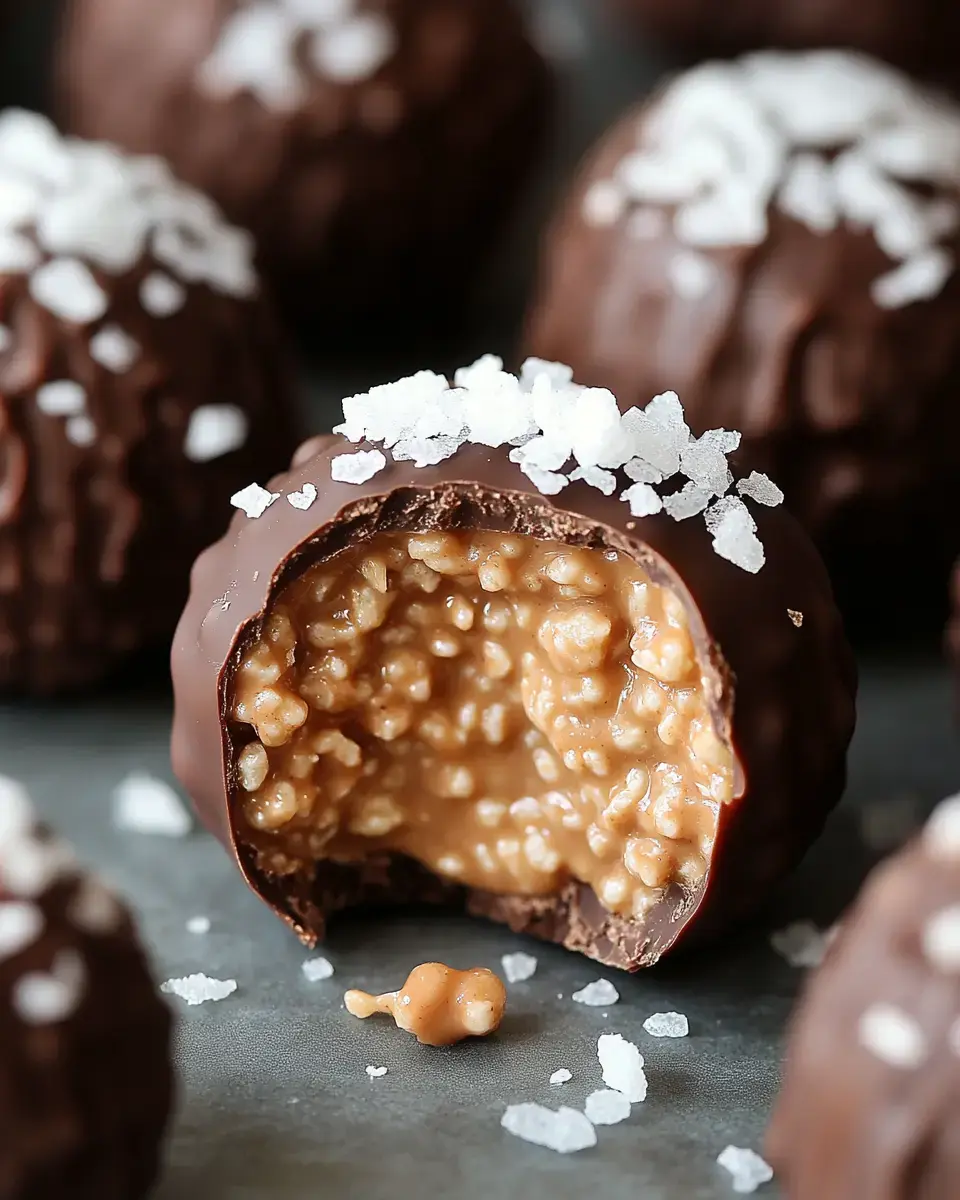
(21, 923)
(802, 944)
(199, 988)
(597, 994)
(747, 1169)
(114, 350)
(376, 1072)
(606, 1108)
(304, 498)
(143, 804)
(357, 468)
(893, 1036)
(315, 969)
(198, 926)
(667, 1025)
(48, 997)
(61, 398)
(66, 287)
(215, 430)
(519, 967)
(565, 1131)
(760, 488)
(940, 939)
(560, 1076)
(622, 1066)
(253, 500)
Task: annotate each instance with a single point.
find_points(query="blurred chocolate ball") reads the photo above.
(141, 382)
(86, 1082)
(920, 37)
(870, 1104)
(373, 147)
(776, 240)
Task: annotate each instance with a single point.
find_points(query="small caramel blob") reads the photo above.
(439, 1005)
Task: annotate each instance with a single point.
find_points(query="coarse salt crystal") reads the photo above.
(747, 1169)
(162, 296)
(760, 488)
(519, 967)
(893, 1036)
(354, 50)
(61, 398)
(357, 468)
(802, 944)
(21, 923)
(29, 864)
(215, 430)
(622, 1066)
(560, 1076)
(304, 498)
(565, 1131)
(376, 1072)
(643, 500)
(603, 481)
(47, 997)
(66, 288)
(597, 994)
(941, 835)
(114, 349)
(94, 908)
(80, 431)
(606, 1108)
(940, 939)
(919, 278)
(253, 500)
(198, 925)
(667, 1025)
(199, 988)
(690, 501)
(315, 969)
(143, 804)
(604, 203)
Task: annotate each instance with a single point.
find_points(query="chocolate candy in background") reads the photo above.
(86, 1082)
(776, 239)
(348, 683)
(374, 147)
(142, 380)
(870, 1103)
(919, 37)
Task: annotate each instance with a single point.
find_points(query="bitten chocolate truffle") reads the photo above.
(141, 382)
(918, 36)
(85, 1076)
(870, 1104)
(438, 667)
(777, 239)
(373, 147)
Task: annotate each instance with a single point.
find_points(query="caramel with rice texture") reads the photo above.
(437, 1004)
(510, 712)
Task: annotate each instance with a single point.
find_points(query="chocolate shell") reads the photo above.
(782, 694)
(870, 1104)
(847, 402)
(86, 1082)
(373, 157)
(133, 400)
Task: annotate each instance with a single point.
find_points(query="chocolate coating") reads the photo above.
(366, 197)
(849, 406)
(854, 1121)
(84, 1100)
(917, 37)
(784, 695)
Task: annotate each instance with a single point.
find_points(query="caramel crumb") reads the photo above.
(437, 1004)
(795, 617)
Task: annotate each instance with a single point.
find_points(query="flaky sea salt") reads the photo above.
(47, 997)
(940, 938)
(114, 350)
(253, 500)
(80, 431)
(144, 804)
(802, 944)
(642, 499)
(606, 1108)
(565, 1131)
(941, 834)
(66, 287)
(518, 967)
(597, 994)
(215, 430)
(760, 488)
(893, 1036)
(376, 1072)
(562, 1075)
(21, 923)
(747, 1169)
(622, 1066)
(357, 468)
(304, 498)
(199, 988)
(315, 969)
(667, 1025)
(198, 925)
(354, 50)
(162, 296)
(61, 398)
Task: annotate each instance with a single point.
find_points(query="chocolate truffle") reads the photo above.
(920, 37)
(141, 381)
(85, 1076)
(440, 668)
(776, 238)
(372, 146)
(870, 1104)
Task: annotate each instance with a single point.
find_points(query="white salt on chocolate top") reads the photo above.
(265, 46)
(827, 137)
(561, 433)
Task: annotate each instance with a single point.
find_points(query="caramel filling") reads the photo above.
(510, 712)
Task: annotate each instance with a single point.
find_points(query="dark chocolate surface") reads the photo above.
(782, 695)
(375, 199)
